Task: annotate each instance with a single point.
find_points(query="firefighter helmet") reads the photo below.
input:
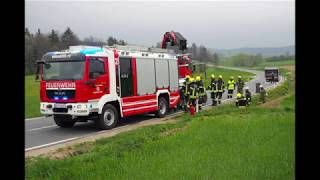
(231, 77)
(220, 76)
(246, 88)
(239, 77)
(192, 80)
(198, 78)
(239, 95)
(212, 76)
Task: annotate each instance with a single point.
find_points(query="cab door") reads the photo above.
(98, 76)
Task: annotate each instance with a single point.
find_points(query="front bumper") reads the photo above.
(73, 109)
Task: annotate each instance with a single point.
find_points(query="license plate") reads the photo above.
(59, 105)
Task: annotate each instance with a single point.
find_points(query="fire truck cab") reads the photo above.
(106, 83)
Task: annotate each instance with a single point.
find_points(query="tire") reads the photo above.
(162, 108)
(108, 118)
(64, 121)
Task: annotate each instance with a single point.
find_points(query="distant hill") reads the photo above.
(266, 52)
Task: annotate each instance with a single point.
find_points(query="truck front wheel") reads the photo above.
(108, 118)
(64, 121)
(162, 107)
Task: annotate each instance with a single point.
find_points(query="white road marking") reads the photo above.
(28, 119)
(50, 144)
(41, 128)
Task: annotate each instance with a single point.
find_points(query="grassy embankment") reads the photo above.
(221, 143)
(32, 101)
(32, 97)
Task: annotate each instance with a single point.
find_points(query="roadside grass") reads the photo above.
(221, 143)
(32, 97)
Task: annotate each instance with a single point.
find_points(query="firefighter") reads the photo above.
(184, 93)
(220, 88)
(192, 93)
(213, 90)
(248, 95)
(263, 94)
(231, 86)
(241, 100)
(201, 92)
(240, 85)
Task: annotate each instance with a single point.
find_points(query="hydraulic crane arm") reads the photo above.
(175, 39)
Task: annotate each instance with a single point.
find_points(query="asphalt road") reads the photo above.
(42, 131)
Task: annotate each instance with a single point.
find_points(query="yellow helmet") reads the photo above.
(239, 77)
(231, 77)
(191, 80)
(239, 95)
(220, 76)
(198, 78)
(187, 76)
(212, 76)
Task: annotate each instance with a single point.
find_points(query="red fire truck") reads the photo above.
(106, 83)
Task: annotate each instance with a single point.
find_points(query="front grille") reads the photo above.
(64, 110)
(70, 94)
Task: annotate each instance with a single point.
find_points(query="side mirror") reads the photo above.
(37, 64)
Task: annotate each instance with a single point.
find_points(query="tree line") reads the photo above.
(280, 58)
(36, 45)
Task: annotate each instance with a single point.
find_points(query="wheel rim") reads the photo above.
(108, 117)
(162, 107)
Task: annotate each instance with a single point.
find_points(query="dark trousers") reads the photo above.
(230, 93)
(219, 96)
(213, 97)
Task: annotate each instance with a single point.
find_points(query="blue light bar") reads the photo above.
(64, 97)
(91, 51)
(56, 98)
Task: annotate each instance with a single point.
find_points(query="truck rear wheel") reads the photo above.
(64, 121)
(162, 107)
(108, 118)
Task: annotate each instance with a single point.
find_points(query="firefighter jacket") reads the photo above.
(248, 95)
(231, 84)
(240, 97)
(201, 90)
(212, 87)
(193, 91)
(240, 84)
(220, 85)
(186, 86)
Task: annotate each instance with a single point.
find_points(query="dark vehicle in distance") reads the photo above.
(271, 74)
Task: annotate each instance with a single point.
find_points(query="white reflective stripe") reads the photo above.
(60, 88)
(138, 102)
(131, 109)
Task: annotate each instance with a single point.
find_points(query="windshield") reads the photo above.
(63, 70)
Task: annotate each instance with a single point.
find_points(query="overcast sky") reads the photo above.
(213, 24)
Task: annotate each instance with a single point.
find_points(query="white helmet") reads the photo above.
(246, 88)
(261, 85)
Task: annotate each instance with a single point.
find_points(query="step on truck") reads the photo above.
(107, 83)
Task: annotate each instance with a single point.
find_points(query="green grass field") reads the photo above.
(221, 143)
(277, 63)
(32, 97)
(32, 101)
